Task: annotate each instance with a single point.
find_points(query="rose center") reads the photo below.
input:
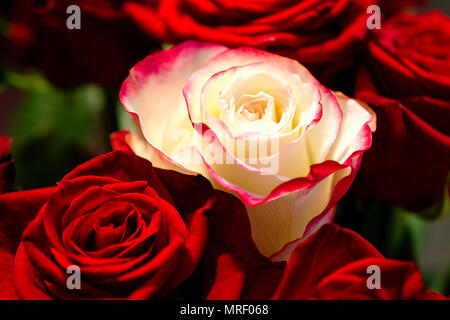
(257, 103)
(256, 107)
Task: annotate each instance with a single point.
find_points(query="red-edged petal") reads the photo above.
(153, 94)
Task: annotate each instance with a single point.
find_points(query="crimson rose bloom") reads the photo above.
(324, 35)
(407, 81)
(333, 264)
(134, 231)
(102, 51)
(6, 165)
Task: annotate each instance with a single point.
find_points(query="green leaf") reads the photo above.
(55, 129)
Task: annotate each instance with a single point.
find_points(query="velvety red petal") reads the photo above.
(333, 264)
(411, 135)
(17, 209)
(7, 284)
(398, 280)
(325, 251)
(223, 274)
(122, 166)
(6, 165)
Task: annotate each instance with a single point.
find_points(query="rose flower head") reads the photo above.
(255, 124)
(131, 231)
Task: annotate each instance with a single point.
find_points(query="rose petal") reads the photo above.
(6, 165)
(166, 71)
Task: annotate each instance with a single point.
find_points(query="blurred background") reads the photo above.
(59, 102)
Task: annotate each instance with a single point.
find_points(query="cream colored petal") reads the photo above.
(158, 159)
(153, 92)
(278, 222)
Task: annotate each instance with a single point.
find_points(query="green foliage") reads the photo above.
(54, 130)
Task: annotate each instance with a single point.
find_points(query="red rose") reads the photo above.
(134, 232)
(324, 35)
(333, 264)
(407, 81)
(6, 165)
(103, 50)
